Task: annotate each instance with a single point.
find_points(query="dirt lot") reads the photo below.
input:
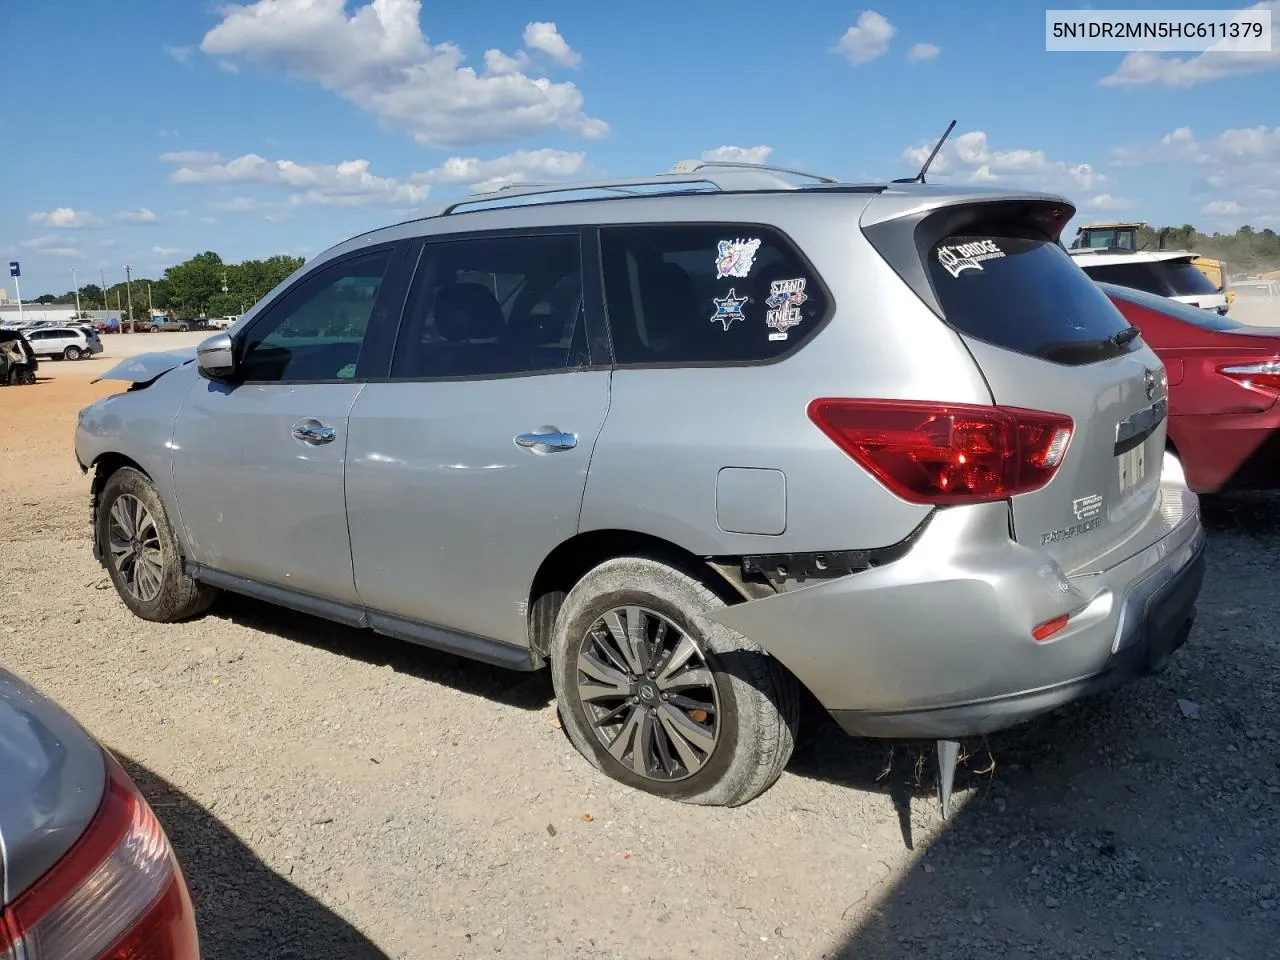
(336, 795)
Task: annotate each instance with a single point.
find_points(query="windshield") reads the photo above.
(1026, 295)
(1187, 280)
(1200, 317)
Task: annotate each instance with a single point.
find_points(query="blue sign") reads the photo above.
(14, 269)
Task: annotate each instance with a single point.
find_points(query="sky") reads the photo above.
(144, 132)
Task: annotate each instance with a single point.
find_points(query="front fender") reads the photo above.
(137, 426)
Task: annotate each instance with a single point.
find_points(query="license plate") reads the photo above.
(1133, 468)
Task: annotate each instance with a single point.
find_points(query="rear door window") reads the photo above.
(1025, 295)
(707, 294)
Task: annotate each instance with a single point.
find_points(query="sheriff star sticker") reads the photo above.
(728, 309)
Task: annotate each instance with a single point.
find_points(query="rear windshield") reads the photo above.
(1025, 295)
(1187, 280)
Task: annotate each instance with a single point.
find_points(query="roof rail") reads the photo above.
(745, 176)
(693, 166)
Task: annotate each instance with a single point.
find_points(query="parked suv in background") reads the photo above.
(695, 446)
(1166, 273)
(64, 343)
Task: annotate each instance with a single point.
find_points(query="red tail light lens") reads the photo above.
(118, 894)
(1263, 374)
(947, 453)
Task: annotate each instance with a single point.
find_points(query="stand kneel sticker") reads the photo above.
(785, 297)
(728, 309)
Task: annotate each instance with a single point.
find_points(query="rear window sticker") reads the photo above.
(785, 297)
(728, 309)
(968, 256)
(734, 258)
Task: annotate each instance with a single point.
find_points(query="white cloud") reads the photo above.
(1143, 68)
(379, 59)
(1221, 208)
(164, 251)
(1105, 201)
(968, 158)
(181, 54)
(141, 215)
(546, 39)
(352, 183)
(35, 243)
(920, 52)
(868, 39)
(348, 183)
(208, 220)
(521, 165)
(234, 205)
(64, 217)
(63, 251)
(1238, 166)
(729, 154)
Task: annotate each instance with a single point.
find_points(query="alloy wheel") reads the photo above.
(648, 694)
(134, 541)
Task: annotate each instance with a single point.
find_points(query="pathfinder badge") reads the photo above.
(734, 258)
(785, 297)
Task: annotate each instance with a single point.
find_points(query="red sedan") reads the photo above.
(1224, 390)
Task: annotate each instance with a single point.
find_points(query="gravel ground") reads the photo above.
(333, 794)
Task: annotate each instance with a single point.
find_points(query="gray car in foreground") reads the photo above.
(698, 443)
(86, 871)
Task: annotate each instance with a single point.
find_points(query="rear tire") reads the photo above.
(742, 721)
(72, 353)
(141, 552)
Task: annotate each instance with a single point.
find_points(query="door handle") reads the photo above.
(313, 431)
(548, 439)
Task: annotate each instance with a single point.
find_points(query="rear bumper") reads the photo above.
(939, 643)
(1238, 451)
(1160, 622)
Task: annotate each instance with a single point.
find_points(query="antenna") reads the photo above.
(919, 177)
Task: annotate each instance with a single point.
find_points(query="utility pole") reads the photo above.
(105, 306)
(76, 283)
(128, 284)
(150, 309)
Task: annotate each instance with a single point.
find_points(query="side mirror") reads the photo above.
(217, 357)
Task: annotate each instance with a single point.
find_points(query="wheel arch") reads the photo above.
(569, 562)
(104, 467)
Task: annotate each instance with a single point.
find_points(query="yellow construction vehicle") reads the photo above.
(1124, 236)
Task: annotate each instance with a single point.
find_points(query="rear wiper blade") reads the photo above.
(1124, 336)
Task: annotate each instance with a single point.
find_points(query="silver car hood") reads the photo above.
(145, 367)
(53, 775)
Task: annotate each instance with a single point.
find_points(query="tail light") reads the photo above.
(117, 894)
(947, 453)
(1263, 374)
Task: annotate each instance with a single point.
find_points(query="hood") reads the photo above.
(146, 367)
(53, 775)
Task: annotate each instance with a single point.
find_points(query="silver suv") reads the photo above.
(699, 443)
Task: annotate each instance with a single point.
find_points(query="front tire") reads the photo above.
(141, 552)
(72, 353)
(660, 697)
